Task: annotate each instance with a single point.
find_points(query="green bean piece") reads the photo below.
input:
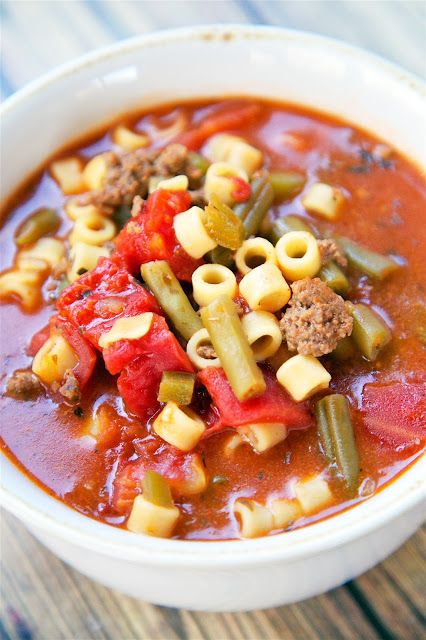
(280, 226)
(176, 386)
(38, 225)
(223, 225)
(323, 429)
(258, 207)
(251, 213)
(199, 162)
(369, 262)
(171, 297)
(334, 278)
(220, 255)
(345, 349)
(121, 215)
(369, 332)
(336, 430)
(156, 489)
(286, 184)
(221, 320)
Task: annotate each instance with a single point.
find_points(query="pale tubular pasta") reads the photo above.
(75, 210)
(313, 494)
(200, 338)
(212, 280)
(192, 234)
(53, 359)
(177, 183)
(298, 255)
(223, 147)
(48, 250)
(284, 512)
(265, 288)
(219, 181)
(84, 257)
(165, 133)
(94, 172)
(324, 200)
(131, 328)
(255, 519)
(127, 139)
(303, 376)
(263, 333)
(21, 284)
(152, 519)
(254, 252)
(93, 228)
(263, 436)
(232, 443)
(180, 427)
(153, 183)
(68, 174)
(197, 481)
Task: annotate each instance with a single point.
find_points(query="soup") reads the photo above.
(214, 320)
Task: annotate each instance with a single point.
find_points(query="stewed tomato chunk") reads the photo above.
(274, 405)
(395, 412)
(150, 235)
(142, 364)
(98, 298)
(183, 471)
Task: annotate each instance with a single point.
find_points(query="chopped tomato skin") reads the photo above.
(230, 119)
(140, 376)
(275, 405)
(172, 464)
(241, 191)
(98, 298)
(83, 349)
(159, 341)
(151, 236)
(395, 413)
(38, 340)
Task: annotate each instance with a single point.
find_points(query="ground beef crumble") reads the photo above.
(206, 351)
(315, 319)
(70, 389)
(23, 385)
(329, 250)
(128, 175)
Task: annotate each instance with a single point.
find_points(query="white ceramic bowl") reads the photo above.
(204, 62)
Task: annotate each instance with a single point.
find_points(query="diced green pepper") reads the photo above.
(223, 225)
(156, 489)
(38, 225)
(177, 387)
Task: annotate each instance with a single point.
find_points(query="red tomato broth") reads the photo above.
(383, 209)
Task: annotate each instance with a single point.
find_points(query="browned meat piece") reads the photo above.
(175, 160)
(70, 388)
(206, 351)
(23, 385)
(329, 250)
(198, 198)
(172, 160)
(128, 175)
(316, 318)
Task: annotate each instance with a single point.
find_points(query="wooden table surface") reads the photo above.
(42, 598)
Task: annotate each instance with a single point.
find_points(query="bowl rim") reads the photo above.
(389, 503)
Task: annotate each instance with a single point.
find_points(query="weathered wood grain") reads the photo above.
(40, 597)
